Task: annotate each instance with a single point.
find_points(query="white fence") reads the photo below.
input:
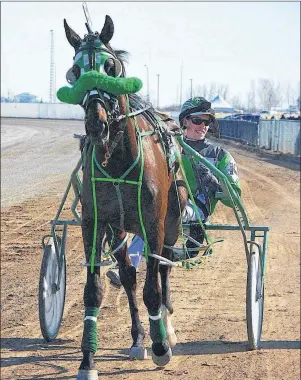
(47, 111)
(280, 136)
(42, 111)
(276, 135)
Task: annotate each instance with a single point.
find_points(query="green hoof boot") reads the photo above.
(161, 361)
(84, 374)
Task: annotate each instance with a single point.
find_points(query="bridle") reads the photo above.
(92, 54)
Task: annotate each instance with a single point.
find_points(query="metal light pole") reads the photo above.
(190, 88)
(158, 75)
(181, 84)
(52, 90)
(147, 83)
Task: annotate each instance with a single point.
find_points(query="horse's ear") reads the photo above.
(73, 38)
(107, 30)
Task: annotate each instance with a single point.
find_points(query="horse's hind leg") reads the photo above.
(93, 294)
(127, 274)
(172, 223)
(152, 296)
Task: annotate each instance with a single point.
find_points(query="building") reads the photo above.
(25, 97)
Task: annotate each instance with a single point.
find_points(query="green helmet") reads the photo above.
(200, 106)
(196, 106)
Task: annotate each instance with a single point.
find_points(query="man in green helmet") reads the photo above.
(197, 118)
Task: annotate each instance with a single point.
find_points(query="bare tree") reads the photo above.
(201, 90)
(222, 90)
(269, 93)
(251, 97)
(212, 91)
(236, 102)
(288, 94)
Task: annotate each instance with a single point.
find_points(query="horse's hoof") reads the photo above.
(170, 331)
(138, 353)
(172, 338)
(161, 361)
(91, 374)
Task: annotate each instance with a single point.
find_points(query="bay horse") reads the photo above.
(117, 127)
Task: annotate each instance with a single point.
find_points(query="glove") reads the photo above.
(207, 178)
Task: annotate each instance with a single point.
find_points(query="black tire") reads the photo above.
(51, 303)
(254, 304)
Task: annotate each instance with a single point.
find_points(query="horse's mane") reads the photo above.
(136, 101)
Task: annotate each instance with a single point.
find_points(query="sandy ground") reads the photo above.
(37, 159)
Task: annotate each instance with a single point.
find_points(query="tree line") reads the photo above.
(262, 94)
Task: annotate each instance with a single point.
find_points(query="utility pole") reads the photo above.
(147, 83)
(52, 86)
(181, 84)
(190, 88)
(158, 103)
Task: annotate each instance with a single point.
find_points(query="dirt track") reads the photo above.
(209, 302)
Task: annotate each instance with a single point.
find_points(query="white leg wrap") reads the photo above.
(91, 318)
(155, 317)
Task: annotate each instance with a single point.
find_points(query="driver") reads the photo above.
(197, 118)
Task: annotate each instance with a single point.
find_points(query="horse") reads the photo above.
(145, 198)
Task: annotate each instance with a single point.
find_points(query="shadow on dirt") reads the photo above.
(281, 345)
(224, 347)
(26, 344)
(109, 355)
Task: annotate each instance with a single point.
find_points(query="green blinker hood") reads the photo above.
(92, 79)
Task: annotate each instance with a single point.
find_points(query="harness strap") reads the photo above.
(111, 147)
(117, 181)
(138, 112)
(119, 198)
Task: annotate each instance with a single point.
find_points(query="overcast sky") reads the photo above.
(227, 43)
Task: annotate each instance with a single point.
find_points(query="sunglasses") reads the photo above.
(198, 121)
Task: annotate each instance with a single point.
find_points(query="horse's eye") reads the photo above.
(76, 71)
(73, 74)
(112, 67)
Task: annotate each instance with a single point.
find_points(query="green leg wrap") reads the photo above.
(157, 331)
(89, 341)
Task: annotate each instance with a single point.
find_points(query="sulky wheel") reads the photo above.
(51, 294)
(254, 298)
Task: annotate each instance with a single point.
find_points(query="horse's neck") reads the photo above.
(130, 140)
(125, 150)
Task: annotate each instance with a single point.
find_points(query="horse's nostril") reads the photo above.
(101, 113)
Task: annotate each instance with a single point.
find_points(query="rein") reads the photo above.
(110, 147)
(187, 263)
(121, 180)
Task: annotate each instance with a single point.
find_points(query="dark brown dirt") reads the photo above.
(209, 302)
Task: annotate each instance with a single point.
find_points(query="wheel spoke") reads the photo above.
(51, 303)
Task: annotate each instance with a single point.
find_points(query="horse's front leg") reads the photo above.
(172, 223)
(127, 274)
(166, 308)
(93, 295)
(152, 296)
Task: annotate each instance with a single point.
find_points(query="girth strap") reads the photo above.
(119, 197)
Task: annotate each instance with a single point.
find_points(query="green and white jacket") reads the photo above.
(218, 157)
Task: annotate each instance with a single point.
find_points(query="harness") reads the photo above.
(93, 85)
(165, 137)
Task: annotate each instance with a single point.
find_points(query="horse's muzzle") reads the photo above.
(97, 124)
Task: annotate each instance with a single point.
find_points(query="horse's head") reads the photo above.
(94, 52)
